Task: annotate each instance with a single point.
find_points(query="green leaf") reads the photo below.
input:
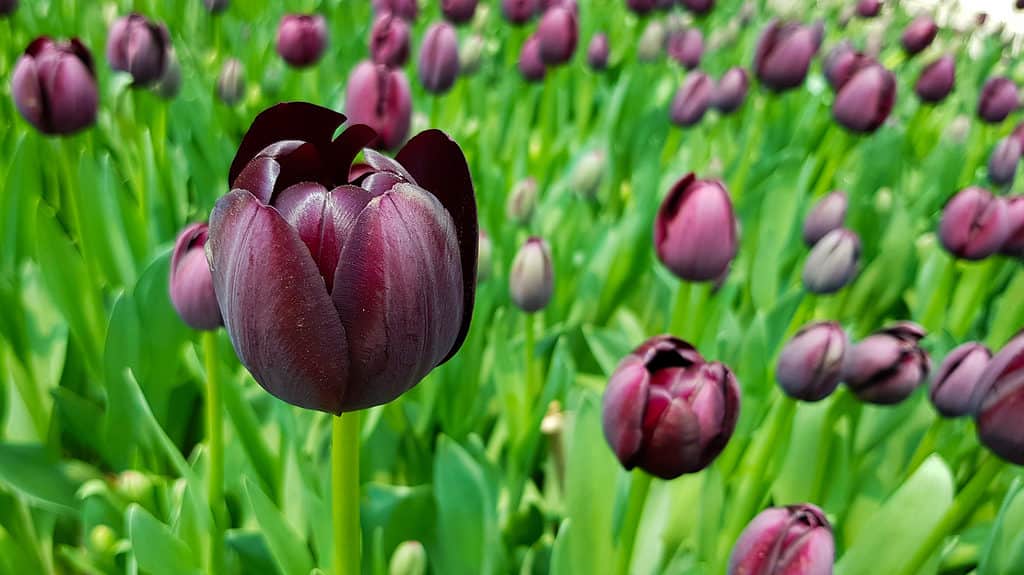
(1004, 554)
(466, 514)
(156, 549)
(287, 547)
(32, 472)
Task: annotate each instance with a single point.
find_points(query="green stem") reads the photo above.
(640, 484)
(679, 309)
(836, 151)
(345, 494)
(925, 447)
(215, 438)
(529, 367)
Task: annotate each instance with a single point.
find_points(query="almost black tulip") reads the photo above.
(7, 7)
(692, 99)
(140, 47)
(936, 80)
(954, 384)
(668, 412)
(999, 402)
(439, 58)
(389, 40)
(458, 11)
(168, 86)
(698, 6)
(686, 47)
(695, 230)
(974, 224)
(997, 100)
(811, 363)
(216, 6)
(730, 91)
(641, 7)
(842, 63)
(404, 9)
(887, 366)
(379, 97)
(557, 32)
(191, 284)
(827, 215)
(530, 64)
(341, 295)
(869, 8)
(302, 39)
(231, 82)
(833, 262)
(1014, 244)
(597, 52)
(784, 55)
(532, 280)
(864, 102)
(1002, 164)
(518, 12)
(54, 86)
(792, 540)
(919, 34)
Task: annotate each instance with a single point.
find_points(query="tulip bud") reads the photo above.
(530, 64)
(410, 558)
(597, 52)
(641, 7)
(404, 9)
(216, 6)
(485, 251)
(958, 129)
(102, 540)
(695, 230)
(832, 263)
(587, 176)
(792, 540)
(522, 201)
(692, 99)
(686, 47)
(439, 58)
(458, 11)
(974, 224)
(518, 12)
(999, 402)
(887, 366)
(302, 39)
(168, 86)
(231, 82)
(7, 7)
(958, 376)
(919, 34)
(827, 215)
(135, 486)
(698, 6)
(668, 412)
(470, 54)
(190, 281)
(1014, 244)
(811, 363)
(532, 279)
(784, 54)
(1002, 164)
(1019, 5)
(54, 86)
(379, 97)
(731, 91)
(936, 80)
(557, 32)
(864, 102)
(389, 40)
(652, 42)
(869, 8)
(140, 47)
(842, 63)
(997, 100)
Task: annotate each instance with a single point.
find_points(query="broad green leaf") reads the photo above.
(286, 546)
(32, 472)
(466, 514)
(156, 549)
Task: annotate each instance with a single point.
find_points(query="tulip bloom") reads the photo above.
(532, 280)
(974, 224)
(342, 295)
(1014, 244)
(842, 63)
(695, 230)
(698, 6)
(439, 58)
(216, 6)
(792, 540)
(864, 102)
(936, 80)
(531, 66)
(999, 402)
(887, 366)
(522, 201)
(958, 376)
(1002, 164)
(641, 7)
(997, 100)
(730, 91)
(686, 47)
(302, 39)
(518, 12)
(918, 35)
(458, 11)
(231, 82)
(587, 175)
(404, 9)
(557, 32)
(811, 363)
(826, 215)
(379, 97)
(784, 54)
(692, 99)
(668, 412)
(191, 283)
(140, 47)
(389, 41)
(869, 8)
(54, 87)
(832, 263)
(7, 7)
(597, 52)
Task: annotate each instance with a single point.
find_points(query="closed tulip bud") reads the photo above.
(698, 6)
(532, 279)
(686, 47)
(668, 412)
(54, 86)
(730, 91)
(410, 558)
(340, 296)
(140, 47)
(522, 201)
(379, 97)
(784, 54)
(652, 42)
(695, 230)
(597, 52)
(887, 366)
(997, 100)
(216, 6)
(471, 52)
(792, 540)
(231, 82)
(389, 40)
(936, 80)
(832, 263)
(869, 8)
(302, 39)
(641, 7)
(958, 376)
(191, 284)
(518, 12)
(827, 215)
(439, 58)
(587, 176)
(530, 64)
(919, 34)
(1002, 164)
(135, 486)
(1019, 5)
(7, 7)
(864, 102)
(458, 11)
(999, 402)
(842, 63)
(811, 363)
(974, 224)
(484, 256)
(557, 32)
(1014, 244)
(692, 99)
(958, 129)
(404, 9)
(102, 540)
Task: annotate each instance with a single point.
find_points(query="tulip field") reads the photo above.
(598, 287)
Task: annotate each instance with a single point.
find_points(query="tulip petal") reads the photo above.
(277, 312)
(382, 163)
(624, 403)
(28, 95)
(674, 447)
(344, 150)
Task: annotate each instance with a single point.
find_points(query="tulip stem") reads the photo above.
(925, 447)
(215, 439)
(345, 494)
(836, 149)
(679, 309)
(529, 368)
(639, 486)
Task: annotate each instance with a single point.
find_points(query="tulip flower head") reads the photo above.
(692, 99)
(439, 58)
(641, 7)
(404, 9)
(54, 86)
(686, 47)
(695, 233)
(936, 80)
(974, 224)
(784, 54)
(869, 8)
(588, 173)
(532, 280)
(999, 402)
(140, 47)
(389, 40)
(7, 7)
(518, 12)
(730, 91)
(954, 384)
(864, 102)
(1014, 244)
(597, 52)
(339, 295)
(557, 32)
(998, 99)
(522, 201)
(919, 34)
(652, 42)
(699, 7)
(811, 363)
(302, 39)
(216, 6)
(833, 262)
(231, 82)
(842, 63)
(191, 284)
(792, 540)
(379, 97)
(827, 215)
(531, 66)
(458, 11)
(1002, 164)
(887, 366)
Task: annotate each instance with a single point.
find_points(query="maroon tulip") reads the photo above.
(597, 52)
(974, 224)
(54, 86)
(439, 58)
(1019, 5)
(919, 34)
(231, 82)
(784, 54)
(379, 97)
(997, 100)
(342, 295)
(692, 99)
(999, 402)
(887, 366)
(216, 6)
(641, 6)
(811, 363)
(302, 39)
(792, 540)
(668, 412)
(518, 12)
(869, 8)
(404, 9)
(827, 215)
(191, 283)
(936, 80)
(686, 47)
(389, 40)
(532, 279)
(731, 91)
(458, 11)
(7, 7)
(833, 262)
(530, 64)
(864, 102)
(1002, 164)
(698, 6)
(140, 47)
(958, 376)
(1014, 244)
(695, 230)
(842, 63)
(557, 32)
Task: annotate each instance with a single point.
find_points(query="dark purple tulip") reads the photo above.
(864, 102)
(999, 402)
(557, 32)
(1019, 5)
(597, 52)
(641, 6)
(936, 80)
(342, 295)
(919, 34)
(792, 540)
(140, 47)
(389, 40)
(730, 91)
(664, 5)
(826, 215)
(668, 412)
(530, 64)
(698, 6)
(1014, 244)
(887, 366)
(842, 63)
(54, 86)
(191, 283)
(997, 100)
(954, 384)
(1002, 164)
(811, 363)
(869, 8)
(974, 224)
(379, 97)
(686, 47)
(1018, 134)
(7, 7)
(231, 82)
(404, 9)
(832, 263)
(518, 12)
(458, 11)
(784, 54)
(692, 99)
(532, 279)
(302, 39)
(439, 58)
(695, 230)
(216, 6)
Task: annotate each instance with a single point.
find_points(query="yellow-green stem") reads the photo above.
(345, 494)
(639, 485)
(215, 439)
